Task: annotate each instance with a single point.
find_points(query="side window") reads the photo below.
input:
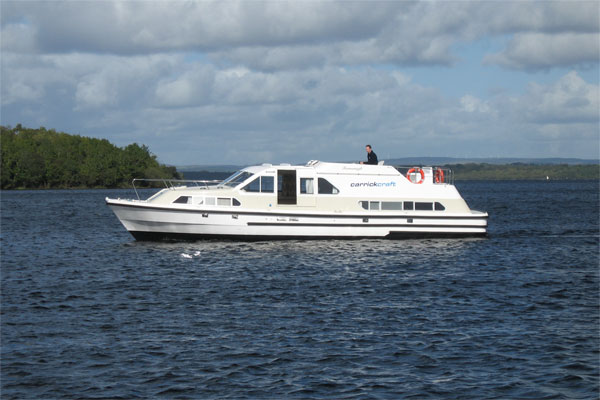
(253, 186)
(439, 206)
(408, 205)
(182, 200)
(391, 205)
(267, 184)
(364, 204)
(307, 186)
(264, 184)
(423, 206)
(325, 187)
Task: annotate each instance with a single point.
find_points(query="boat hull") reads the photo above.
(146, 222)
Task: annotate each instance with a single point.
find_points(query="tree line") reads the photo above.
(46, 159)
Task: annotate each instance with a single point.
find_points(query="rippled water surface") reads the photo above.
(87, 312)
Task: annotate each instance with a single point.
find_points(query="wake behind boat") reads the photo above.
(318, 200)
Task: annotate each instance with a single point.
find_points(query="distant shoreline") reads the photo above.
(462, 172)
(474, 172)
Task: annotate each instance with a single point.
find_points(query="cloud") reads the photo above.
(533, 51)
(568, 101)
(229, 82)
(186, 110)
(291, 35)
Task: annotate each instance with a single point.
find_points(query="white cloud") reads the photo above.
(473, 104)
(543, 51)
(288, 81)
(569, 100)
(291, 35)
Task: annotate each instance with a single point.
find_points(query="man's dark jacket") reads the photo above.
(372, 158)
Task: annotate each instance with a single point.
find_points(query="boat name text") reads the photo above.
(373, 184)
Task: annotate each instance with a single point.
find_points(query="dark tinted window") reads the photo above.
(253, 186)
(236, 202)
(423, 206)
(267, 184)
(327, 188)
(439, 206)
(182, 200)
(408, 205)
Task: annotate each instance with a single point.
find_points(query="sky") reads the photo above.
(245, 82)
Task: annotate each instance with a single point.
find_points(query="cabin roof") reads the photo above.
(329, 168)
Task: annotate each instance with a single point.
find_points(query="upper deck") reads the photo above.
(323, 186)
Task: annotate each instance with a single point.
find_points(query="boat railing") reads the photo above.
(171, 184)
(436, 175)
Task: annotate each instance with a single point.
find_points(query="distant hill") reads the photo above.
(410, 161)
(494, 161)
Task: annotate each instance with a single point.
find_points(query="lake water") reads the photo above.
(87, 312)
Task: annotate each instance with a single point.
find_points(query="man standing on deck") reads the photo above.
(371, 156)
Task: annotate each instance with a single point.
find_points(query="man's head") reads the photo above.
(368, 147)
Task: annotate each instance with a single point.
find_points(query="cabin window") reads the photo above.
(236, 202)
(391, 205)
(423, 206)
(263, 184)
(253, 186)
(236, 178)
(374, 205)
(223, 201)
(408, 205)
(182, 200)
(209, 201)
(267, 184)
(364, 204)
(439, 206)
(325, 187)
(307, 186)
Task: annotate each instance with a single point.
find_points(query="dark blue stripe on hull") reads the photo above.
(168, 236)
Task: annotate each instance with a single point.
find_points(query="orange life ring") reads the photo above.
(413, 170)
(439, 175)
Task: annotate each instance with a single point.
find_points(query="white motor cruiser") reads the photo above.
(314, 201)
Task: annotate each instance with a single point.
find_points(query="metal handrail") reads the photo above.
(171, 184)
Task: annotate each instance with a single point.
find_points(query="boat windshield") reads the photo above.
(236, 179)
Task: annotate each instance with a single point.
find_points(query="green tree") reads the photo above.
(40, 158)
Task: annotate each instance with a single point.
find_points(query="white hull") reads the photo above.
(144, 221)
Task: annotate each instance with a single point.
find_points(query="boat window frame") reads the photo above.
(334, 189)
(423, 206)
(187, 200)
(260, 185)
(262, 179)
(385, 206)
(304, 187)
(234, 180)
